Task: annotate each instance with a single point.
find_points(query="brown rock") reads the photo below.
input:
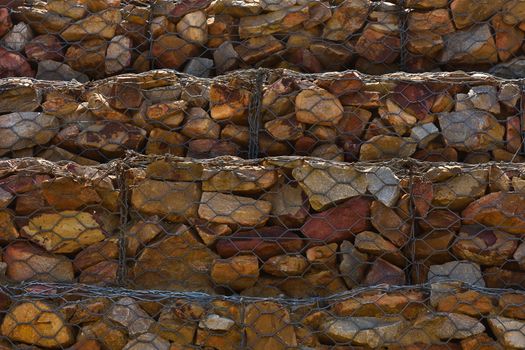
(199, 125)
(36, 323)
(225, 58)
(289, 207)
(272, 22)
(433, 247)
(87, 56)
(170, 51)
(206, 148)
(383, 272)
(75, 9)
(508, 38)
(102, 24)
(236, 273)
(353, 264)
(264, 242)
(436, 21)
(387, 147)
(176, 201)
(440, 220)
(323, 256)
(229, 103)
(318, 106)
(425, 43)
(498, 180)
(161, 141)
(103, 273)
(472, 46)
(210, 232)
(470, 303)
(111, 336)
(332, 56)
(285, 265)
(496, 277)
(373, 244)
(389, 224)
(26, 129)
(480, 342)
(65, 193)
(118, 54)
(168, 115)
(346, 19)
(378, 47)
(87, 344)
(257, 48)
(457, 192)
(140, 234)
(285, 128)
(513, 136)
(44, 47)
(193, 27)
(468, 12)
(28, 262)
(511, 305)
(238, 179)
(221, 28)
(8, 231)
(339, 223)
(102, 251)
(178, 323)
(5, 21)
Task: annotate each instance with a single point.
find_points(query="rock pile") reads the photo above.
(91, 39)
(338, 116)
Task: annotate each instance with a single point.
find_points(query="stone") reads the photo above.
(215, 322)
(284, 128)
(269, 23)
(225, 58)
(425, 43)
(436, 21)
(103, 274)
(26, 129)
(276, 5)
(86, 345)
(383, 184)
(367, 331)
(100, 107)
(118, 54)
(162, 141)
(198, 124)
(22, 97)
(175, 201)
(8, 231)
(44, 47)
(110, 336)
(389, 224)
(373, 244)
(484, 97)
(140, 234)
(127, 313)
(18, 37)
(37, 323)
(177, 263)
(169, 115)
(332, 56)
(353, 264)
(199, 67)
(207, 148)
(471, 130)
(327, 185)
(384, 147)
(508, 331)
(472, 46)
(75, 9)
(347, 19)
(255, 49)
(509, 94)
(508, 38)
(289, 208)
(5, 21)
(178, 322)
(519, 255)
(468, 12)
(424, 134)
(209, 232)
(103, 251)
(236, 273)
(148, 341)
(268, 326)
(87, 56)
(465, 271)
(457, 192)
(480, 342)
(236, 210)
(238, 179)
(383, 272)
(322, 256)
(264, 242)
(102, 24)
(378, 47)
(285, 265)
(229, 103)
(433, 247)
(26, 262)
(501, 210)
(319, 107)
(193, 27)
(328, 152)
(498, 180)
(511, 305)
(339, 223)
(470, 302)
(171, 51)
(52, 70)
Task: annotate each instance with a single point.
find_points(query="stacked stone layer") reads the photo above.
(91, 39)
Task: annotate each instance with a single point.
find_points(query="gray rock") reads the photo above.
(514, 69)
(424, 133)
(509, 94)
(148, 341)
(383, 184)
(199, 67)
(52, 70)
(353, 264)
(18, 37)
(510, 332)
(276, 5)
(485, 97)
(225, 57)
(215, 322)
(129, 314)
(464, 271)
(471, 46)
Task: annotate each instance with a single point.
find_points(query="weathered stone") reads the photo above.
(382, 147)
(18, 37)
(511, 305)
(470, 303)
(127, 313)
(162, 141)
(378, 47)
(508, 38)
(285, 265)
(104, 251)
(229, 103)
(425, 43)
(508, 331)
(5, 21)
(199, 67)
(26, 129)
(52, 70)
(484, 97)
(193, 27)
(383, 272)
(210, 232)
(169, 115)
(118, 54)
(178, 322)
(373, 244)
(424, 134)
(208, 148)
(241, 179)
(326, 185)
(102, 24)
(480, 342)
(225, 57)
(464, 271)
(457, 192)
(8, 231)
(170, 51)
(140, 234)
(229, 209)
(339, 223)
(87, 56)
(289, 208)
(255, 49)
(383, 184)
(111, 336)
(148, 341)
(318, 106)
(285, 128)
(44, 47)
(75, 9)
(37, 323)
(103, 273)
(436, 21)
(468, 12)
(272, 22)
(389, 224)
(472, 46)
(346, 20)
(353, 264)
(175, 263)
(519, 255)
(238, 272)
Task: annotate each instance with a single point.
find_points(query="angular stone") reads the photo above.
(178, 263)
(118, 54)
(44, 47)
(148, 341)
(465, 271)
(457, 192)
(484, 97)
(480, 342)
(18, 37)
(264, 242)
(8, 231)
(229, 103)
(339, 223)
(127, 313)
(102, 24)
(382, 147)
(383, 272)
(162, 141)
(52, 70)
(471, 130)
(322, 256)
(37, 323)
(103, 274)
(284, 128)
(236, 273)
(193, 27)
(468, 12)
(472, 46)
(399, 119)
(508, 331)
(424, 134)
(209, 232)
(511, 305)
(384, 185)
(75, 9)
(326, 185)
(104, 251)
(436, 21)
(389, 224)
(289, 208)
(470, 302)
(178, 322)
(319, 107)
(353, 264)
(87, 56)
(198, 124)
(373, 244)
(176, 201)
(378, 47)
(229, 209)
(277, 21)
(225, 58)
(110, 336)
(425, 43)
(238, 179)
(348, 18)
(5, 21)
(27, 262)
(170, 51)
(255, 49)
(508, 38)
(285, 265)
(207, 148)
(199, 67)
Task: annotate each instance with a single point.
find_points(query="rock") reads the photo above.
(193, 27)
(288, 204)
(465, 271)
(378, 47)
(284, 128)
(255, 49)
(285, 265)
(508, 331)
(472, 46)
(322, 256)
(209, 232)
(373, 244)
(366, 331)
(509, 94)
(87, 56)
(225, 58)
(206, 148)
(339, 223)
(277, 21)
(215, 322)
(140, 234)
(127, 313)
(399, 119)
(178, 263)
(118, 54)
(5, 21)
(329, 152)
(511, 305)
(168, 115)
(110, 336)
(161, 141)
(347, 19)
(498, 180)
(436, 21)
(241, 179)
(229, 103)
(64, 232)
(103, 273)
(319, 107)
(170, 51)
(353, 264)
(424, 134)
(198, 124)
(176, 201)
(425, 43)
(100, 107)
(229, 209)
(457, 192)
(178, 322)
(221, 28)
(264, 242)
(389, 224)
(199, 67)
(470, 302)
(383, 272)
(102, 24)
(75, 9)
(503, 211)
(468, 12)
(471, 130)
(27, 262)
(480, 342)
(268, 326)
(51, 70)
(13, 64)
(236, 273)
(88, 344)
(484, 97)
(18, 37)
(508, 38)
(433, 246)
(383, 184)
(519, 255)
(104, 251)
(44, 47)
(276, 5)
(148, 341)
(382, 147)
(326, 185)
(37, 323)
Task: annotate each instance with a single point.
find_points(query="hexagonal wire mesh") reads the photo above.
(83, 40)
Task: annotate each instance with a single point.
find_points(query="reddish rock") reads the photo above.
(383, 272)
(92, 255)
(264, 242)
(508, 38)
(170, 51)
(103, 274)
(513, 134)
(13, 64)
(496, 277)
(5, 21)
(440, 220)
(511, 305)
(208, 148)
(378, 47)
(422, 194)
(339, 223)
(44, 47)
(416, 99)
